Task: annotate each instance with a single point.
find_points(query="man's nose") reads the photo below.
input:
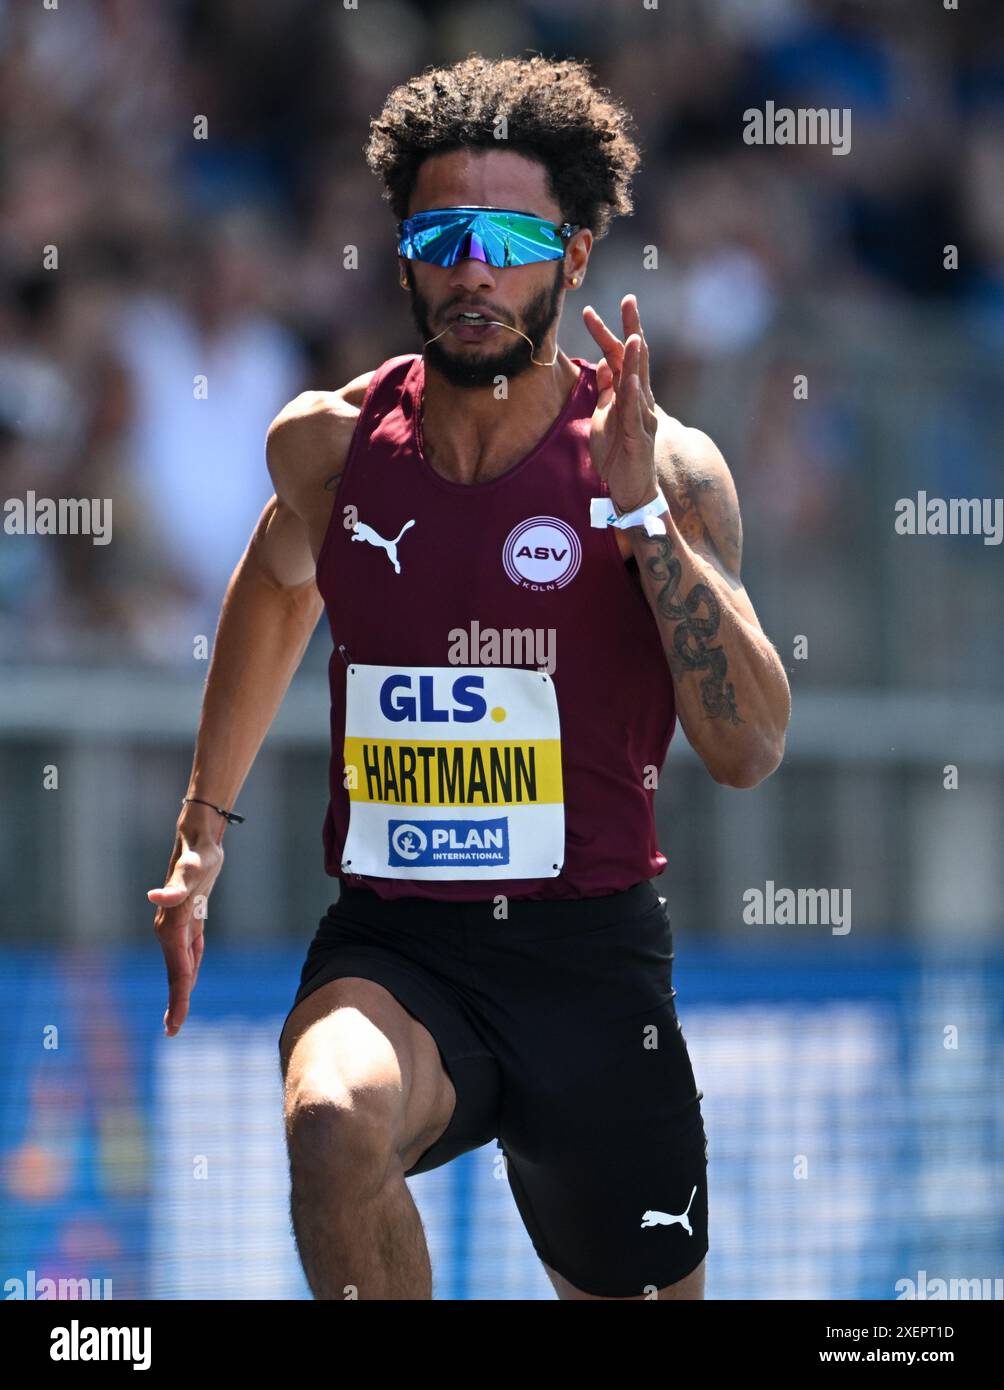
(471, 273)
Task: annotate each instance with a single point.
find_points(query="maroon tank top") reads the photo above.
(441, 786)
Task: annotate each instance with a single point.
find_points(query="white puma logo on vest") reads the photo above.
(663, 1218)
(362, 532)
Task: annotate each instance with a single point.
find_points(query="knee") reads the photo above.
(336, 1133)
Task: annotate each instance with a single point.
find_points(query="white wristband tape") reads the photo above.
(602, 512)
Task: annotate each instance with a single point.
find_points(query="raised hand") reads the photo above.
(624, 424)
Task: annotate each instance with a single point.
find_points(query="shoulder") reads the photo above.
(700, 491)
(310, 437)
(315, 416)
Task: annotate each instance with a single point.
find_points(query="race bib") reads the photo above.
(453, 772)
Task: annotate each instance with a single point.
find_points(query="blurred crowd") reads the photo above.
(220, 260)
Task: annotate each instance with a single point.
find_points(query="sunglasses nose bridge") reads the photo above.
(471, 248)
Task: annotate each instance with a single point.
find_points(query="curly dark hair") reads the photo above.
(553, 112)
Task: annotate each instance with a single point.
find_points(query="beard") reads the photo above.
(476, 367)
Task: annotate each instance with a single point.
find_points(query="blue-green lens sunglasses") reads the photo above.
(497, 236)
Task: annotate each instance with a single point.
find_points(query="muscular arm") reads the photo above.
(265, 625)
(732, 693)
(269, 611)
(272, 603)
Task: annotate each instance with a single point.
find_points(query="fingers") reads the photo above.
(198, 949)
(181, 938)
(178, 957)
(610, 345)
(182, 880)
(182, 957)
(637, 411)
(629, 393)
(168, 896)
(193, 870)
(612, 387)
(621, 404)
(632, 360)
(614, 349)
(632, 324)
(604, 376)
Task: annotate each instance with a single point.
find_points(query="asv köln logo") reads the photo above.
(542, 553)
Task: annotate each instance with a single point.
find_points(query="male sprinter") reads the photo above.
(498, 962)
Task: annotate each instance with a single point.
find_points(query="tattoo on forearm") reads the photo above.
(333, 479)
(695, 631)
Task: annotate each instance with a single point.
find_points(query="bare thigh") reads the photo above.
(350, 1044)
(690, 1286)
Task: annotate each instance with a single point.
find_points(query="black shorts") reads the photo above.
(559, 1032)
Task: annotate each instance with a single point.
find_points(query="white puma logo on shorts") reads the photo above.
(664, 1218)
(362, 532)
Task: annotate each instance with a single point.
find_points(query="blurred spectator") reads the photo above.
(207, 370)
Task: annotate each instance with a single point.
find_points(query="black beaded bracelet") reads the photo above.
(231, 816)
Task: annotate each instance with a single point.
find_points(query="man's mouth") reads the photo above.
(471, 324)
